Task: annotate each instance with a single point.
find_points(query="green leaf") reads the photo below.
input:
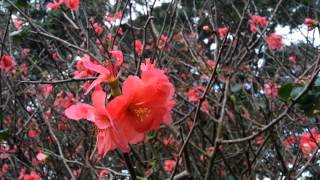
(285, 91)
(296, 91)
(236, 88)
(22, 3)
(4, 134)
(20, 35)
(317, 82)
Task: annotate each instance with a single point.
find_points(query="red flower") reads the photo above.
(108, 137)
(55, 5)
(293, 59)
(271, 89)
(7, 64)
(138, 47)
(162, 41)
(107, 74)
(255, 21)
(308, 142)
(72, 4)
(223, 31)
(310, 23)
(45, 89)
(275, 41)
(32, 176)
(205, 106)
(98, 29)
(64, 100)
(82, 71)
(169, 165)
(145, 103)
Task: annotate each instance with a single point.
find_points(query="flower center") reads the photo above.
(142, 113)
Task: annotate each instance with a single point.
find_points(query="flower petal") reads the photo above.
(78, 111)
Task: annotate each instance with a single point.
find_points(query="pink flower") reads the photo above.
(169, 165)
(138, 47)
(308, 142)
(45, 89)
(72, 4)
(107, 74)
(205, 106)
(41, 156)
(311, 23)
(32, 176)
(293, 59)
(275, 41)
(271, 89)
(108, 137)
(193, 94)
(55, 5)
(145, 103)
(211, 63)
(223, 31)
(162, 41)
(64, 100)
(256, 21)
(98, 29)
(82, 71)
(7, 64)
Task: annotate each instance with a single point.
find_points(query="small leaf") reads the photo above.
(317, 82)
(4, 134)
(22, 3)
(285, 91)
(296, 91)
(236, 88)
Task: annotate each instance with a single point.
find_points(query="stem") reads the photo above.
(129, 165)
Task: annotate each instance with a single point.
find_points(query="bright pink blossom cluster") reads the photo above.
(71, 4)
(308, 142)
(257, 21)
(143, 105)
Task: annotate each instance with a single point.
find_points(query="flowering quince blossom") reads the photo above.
(45, 89)
(138, 47)
(311, 23)
(293, 59)
(145, 103)
(32, 176)
(275, 41)
(108, 137)
(271, 89)
(308, 142)
(82, 71)
(108, 74)
(223, 31)
(193, 93)
(64, 100)
(72, 4)
(55, 5)
(41, 157)
(169, 165)
(98, 29)
(162, 41)
(255, 21)
(7, 64)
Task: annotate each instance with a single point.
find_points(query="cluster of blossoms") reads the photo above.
(309, 142)
(143, 104)
(71, 4)
(7, 65)
(257, 21)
